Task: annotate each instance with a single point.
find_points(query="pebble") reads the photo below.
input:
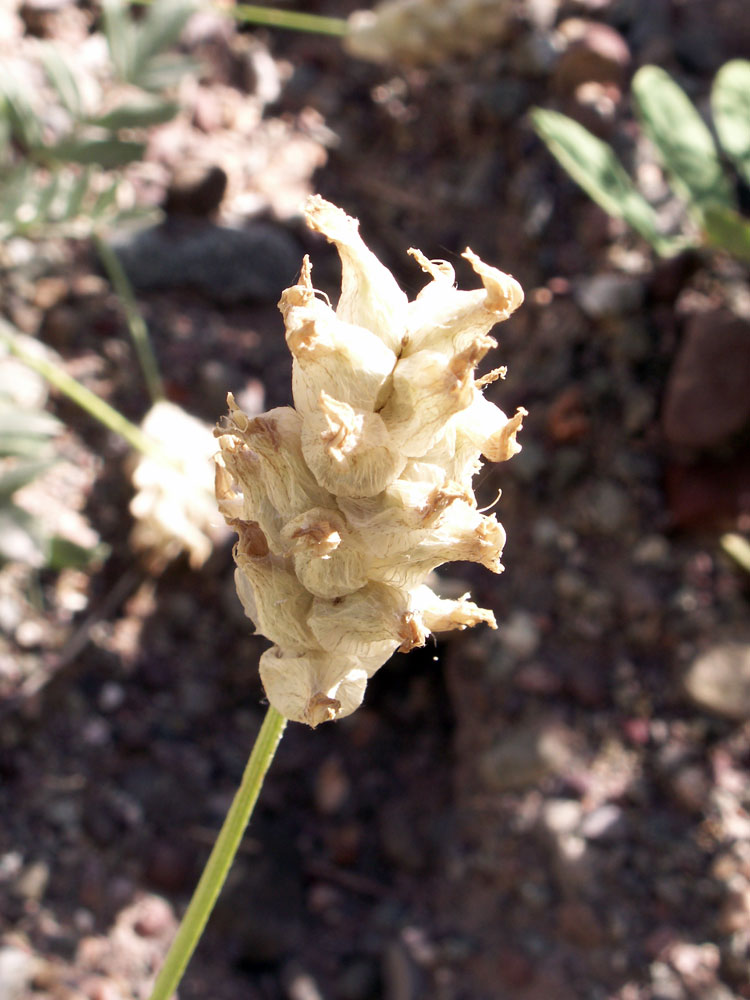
(610, 295)
(31, 884)
(332, 786)
(523, 756)
(718, 680)
(578, 923)
(605, 823)
(691, 788)
(706, 399)
(226, 265)
(195, 189)
(595, 52)
(561, 815)
(17, 970)
(519, 635)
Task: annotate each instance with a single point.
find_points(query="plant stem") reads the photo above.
(273, 17)
(294, 20)
(738, 548)
(221, 857)
(136, 323)
(81, 396)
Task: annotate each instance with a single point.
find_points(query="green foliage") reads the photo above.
(139, 51)
(594, 165)
(70, 180)
(684, 143)
(730, 104)
(686, 149)
(27, 451)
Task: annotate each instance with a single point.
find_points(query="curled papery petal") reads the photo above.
(338, 358)
(487, 428)
(325, 558)
(460, 534)
(349, 451)
(240, 491)
(404, 506)
(272, 596)
(370, 295)
(441, 615)
(312, 687)
(444, 318)
(428, 388)
(372, 619)
(274, 438)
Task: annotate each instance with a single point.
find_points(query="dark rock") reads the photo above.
(224, 264)
(707, 399)
(195, 189)
(708, 494)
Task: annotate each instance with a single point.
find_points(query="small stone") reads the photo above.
(579, 924)
(332, 786)
(153, 917)
(32, 882)
(735, 911)
(519, 635)
(525, 755)
(537, 678)
(719, 680)
(111, 696)
(566, 417)
(708, 495)
(706, 399)
(666, 984)
(595, 52)
(606, 296)
(697, 964)
(652, 550)
(605, 823)
(18, 968)
(561, 815)
(691, 788)
(195, 189)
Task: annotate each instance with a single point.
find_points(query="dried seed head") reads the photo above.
(344, 505)
(173, 507)
(425, 32)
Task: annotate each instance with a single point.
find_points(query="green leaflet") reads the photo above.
(684, 143)
(730, 104)
(594, 165)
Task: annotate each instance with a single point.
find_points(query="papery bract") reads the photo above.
(346, 503)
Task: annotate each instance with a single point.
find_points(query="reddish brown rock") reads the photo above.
(595, 52)
(707, 398)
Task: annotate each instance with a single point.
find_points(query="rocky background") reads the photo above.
(555, 810)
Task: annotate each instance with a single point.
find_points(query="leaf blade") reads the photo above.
(685, 145)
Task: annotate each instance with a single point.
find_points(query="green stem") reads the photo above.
(273, 17)
(221, 857)
(293, 20)
(82, 396)
(136, 323)
(738, 548)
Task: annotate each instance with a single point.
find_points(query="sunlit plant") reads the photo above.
(694, 165)
(345, 503)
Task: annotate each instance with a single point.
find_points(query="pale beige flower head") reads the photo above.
(346, 502)
(426, 32)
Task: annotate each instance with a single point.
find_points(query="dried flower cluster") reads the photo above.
(345, 503)
(424, 32)
(173, 506)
